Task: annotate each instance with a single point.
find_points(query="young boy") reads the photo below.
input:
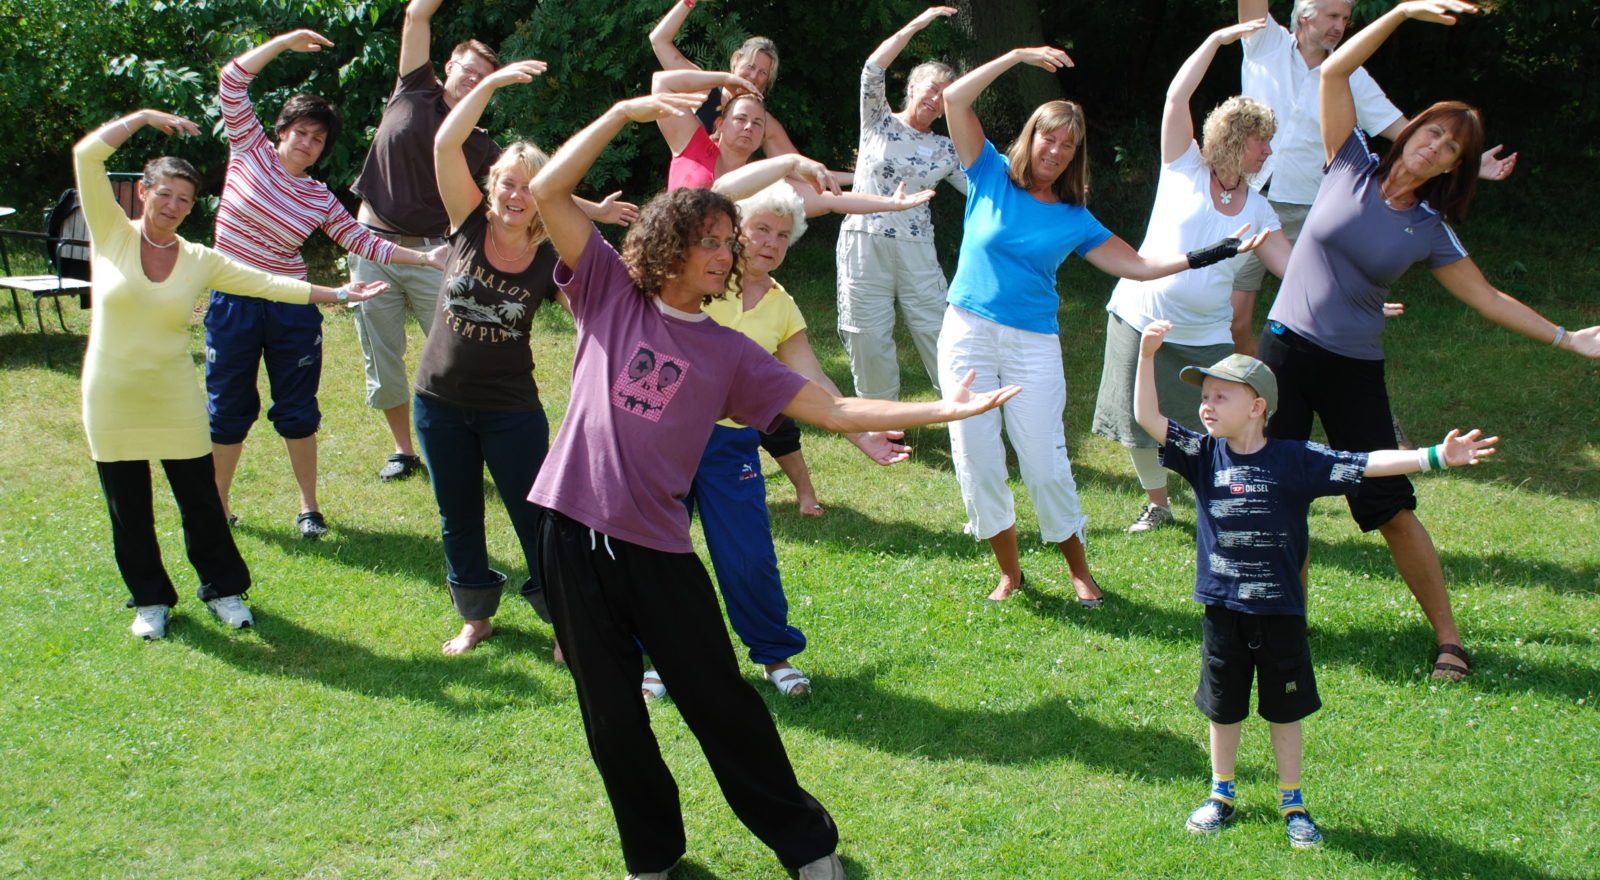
(1252, 495)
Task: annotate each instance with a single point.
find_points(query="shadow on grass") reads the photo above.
(1424, 855)
(1366, 556)
(1394, 655)
(405, 553)
(55, 351)
(460, 685)
(855, 708)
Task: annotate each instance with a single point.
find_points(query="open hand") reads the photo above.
(1152, 337)
(930, 15)
(615, 211)
(515, 73)
(1436, 11)
(905, 202)
(361, 291)
(1585, 342)
(649, 108)
(1234, 33)
(883, 447)
(739, 85)
(1249, 244)
(169, 123)
(969, 404)
(1048, 57)
(815, 173)
(304, 40)
(1464, 449)
(1492, 167)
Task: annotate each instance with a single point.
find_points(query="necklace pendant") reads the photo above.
(1226, 198)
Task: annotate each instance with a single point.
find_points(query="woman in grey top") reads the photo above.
(885, 257)
(1371, 221)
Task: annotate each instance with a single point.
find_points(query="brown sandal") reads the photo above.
(1451, 671)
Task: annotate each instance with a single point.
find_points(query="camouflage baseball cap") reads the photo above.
(1239, 368)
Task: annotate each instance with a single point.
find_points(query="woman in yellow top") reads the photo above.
(141, 399)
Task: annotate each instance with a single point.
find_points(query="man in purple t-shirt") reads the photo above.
(400, 202)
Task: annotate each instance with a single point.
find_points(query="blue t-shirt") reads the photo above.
(1013, 244)
(1251, 542)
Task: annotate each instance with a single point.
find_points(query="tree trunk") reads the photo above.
(994, 27)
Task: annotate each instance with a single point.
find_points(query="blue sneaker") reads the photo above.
(1303, 833)
(1209, 817)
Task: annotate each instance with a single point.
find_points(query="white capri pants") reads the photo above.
(1004, 355)
(873, 272)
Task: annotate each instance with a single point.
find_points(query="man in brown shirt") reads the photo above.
(400, 202)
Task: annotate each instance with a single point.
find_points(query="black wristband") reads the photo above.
(1213, 254)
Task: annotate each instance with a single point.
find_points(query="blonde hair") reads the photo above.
(529, 158)
(1227, 128)
(751, 47)
(1072, 186)
(779, 199)
(927, 71)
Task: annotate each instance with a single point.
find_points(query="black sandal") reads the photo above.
(1451, 671)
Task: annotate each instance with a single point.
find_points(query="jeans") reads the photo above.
(457, 443)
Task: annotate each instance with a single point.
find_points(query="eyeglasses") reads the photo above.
(712, 243)
(468, 75)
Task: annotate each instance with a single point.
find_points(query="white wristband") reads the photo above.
(341, 293)
(1561, 333)
(1422, 461)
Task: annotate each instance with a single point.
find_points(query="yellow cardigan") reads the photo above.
(141, 399)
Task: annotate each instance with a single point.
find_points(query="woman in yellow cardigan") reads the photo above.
(141, 400)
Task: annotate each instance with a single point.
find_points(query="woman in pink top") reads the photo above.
(270, 206)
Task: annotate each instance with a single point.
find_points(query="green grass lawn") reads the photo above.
(949, 739)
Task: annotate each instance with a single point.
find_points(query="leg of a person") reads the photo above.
(452, 445)
(1034, 426)
(126, 485)
(514, 447)
(866, 314)
(234, 338)
(970, 343)
(1244, 315)
(783, 444)
(206, 537)
(1298, 378)
(923, 291)
(1113, 408)
(294, 373)
(731, 497)
(381, 331)
(1286, 749)
(586, 578)
(1152, 476)
(678, 619)
(1225, 747)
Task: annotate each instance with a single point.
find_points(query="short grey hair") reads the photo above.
(1304, 9)
(928, 71)
(780, 199)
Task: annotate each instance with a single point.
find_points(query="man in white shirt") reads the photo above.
(1281, 69)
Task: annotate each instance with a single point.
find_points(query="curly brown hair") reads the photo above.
(658, 242)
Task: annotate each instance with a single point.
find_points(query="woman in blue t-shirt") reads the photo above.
(1025, 212)
(1372, 220)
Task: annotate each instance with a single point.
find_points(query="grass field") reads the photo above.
(949, 739)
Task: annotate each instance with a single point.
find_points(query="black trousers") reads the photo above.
(206, 536)
(608, 597)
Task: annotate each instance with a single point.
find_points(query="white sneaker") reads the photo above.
(150, 622)
(232, 611)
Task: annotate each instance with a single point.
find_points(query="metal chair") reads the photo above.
(54, 284)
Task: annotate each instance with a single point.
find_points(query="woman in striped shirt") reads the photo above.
(270, 206)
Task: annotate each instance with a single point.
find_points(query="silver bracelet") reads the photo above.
(126, 131)
(1561, 333)
(341, 293)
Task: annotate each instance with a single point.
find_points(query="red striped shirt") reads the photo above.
(266, 214)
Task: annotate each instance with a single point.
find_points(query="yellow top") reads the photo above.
(770, 323)
(141, 399)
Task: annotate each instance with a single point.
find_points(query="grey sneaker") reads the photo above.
(1209, 817)
(654, 875)
(311, 525)
(826, 868)
(1303, 833)
(1152, 517)
(232, 611)
(399, 466)
(150, 622)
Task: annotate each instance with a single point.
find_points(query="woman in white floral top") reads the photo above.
(885, 257)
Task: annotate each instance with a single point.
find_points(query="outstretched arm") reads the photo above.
(1491, 165)
(416, 34)
(1338, 105)
(677, 130)
(1116, 257)
(1457, 450)
(554, 185)
(965, 129)
(457, 189)
(753, 177)
(1146, 407)
(1466, 282)
(882, 447)
(294, 41)
(819, 203)
(663, 38)
(891, 48)
(1177, 121)
(842, 415)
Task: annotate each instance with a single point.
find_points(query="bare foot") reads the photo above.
(809, 506)
(1006, 587)
(472, 632)
(1089, 593)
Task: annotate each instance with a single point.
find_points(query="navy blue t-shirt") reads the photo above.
(1252, 537)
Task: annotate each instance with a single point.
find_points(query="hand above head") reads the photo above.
(1152, 337)
(1463, 449)
(303, 40)
(1048, 57)
(930, 15)
(1491, 166)
(969, 404)
(816, 174)
(1436, 11)
(1237, 32)
(737, 83)
(649, 108)
(883, 447)
(168, 123)
(613, 210)
(515, 73)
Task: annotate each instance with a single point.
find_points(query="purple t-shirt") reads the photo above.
(1352, 247)
(647, 386)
